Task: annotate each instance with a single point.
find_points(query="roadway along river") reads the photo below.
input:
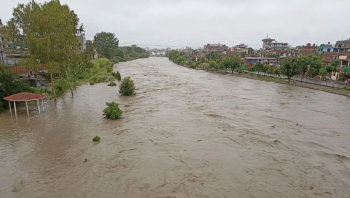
(186, 133)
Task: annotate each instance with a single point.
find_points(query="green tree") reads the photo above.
(47, 31)
(250, 51)
(90, 50)
(304, 64)
(335, 64)
(243, 54)
(9, 84)
(106, 44)
(232, 62)
(315, 66)
(323, 72)
(213, 56)
(289, 67)
(265, 68)
(259, 67)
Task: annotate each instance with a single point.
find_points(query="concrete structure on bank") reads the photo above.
(220, 48)
(308, 50)
(237, 50)
(264, 60)
(272, 44)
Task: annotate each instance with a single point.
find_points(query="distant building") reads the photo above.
(272, 44)
(215, 48)
(82, 40)
(264, 60)
(343, 43)
(308, 50)
(237, 50)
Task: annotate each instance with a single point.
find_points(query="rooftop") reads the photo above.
(24, 97)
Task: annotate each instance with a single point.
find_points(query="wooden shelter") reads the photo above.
(25, 97)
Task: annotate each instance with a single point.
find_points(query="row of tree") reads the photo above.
(310, 66)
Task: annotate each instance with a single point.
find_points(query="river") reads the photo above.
(186, 133)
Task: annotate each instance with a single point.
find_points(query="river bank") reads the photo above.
(335, 90)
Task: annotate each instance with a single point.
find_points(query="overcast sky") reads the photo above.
(195, 23)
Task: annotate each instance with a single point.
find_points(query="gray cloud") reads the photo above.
(197, 22)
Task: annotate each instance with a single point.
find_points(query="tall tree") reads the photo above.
(48, 32)
(304, 64)
(232, 62)
(90, 50)
(315, 65)
(106, 44)
(289, 67)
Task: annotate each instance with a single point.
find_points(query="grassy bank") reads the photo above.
(96, 71)
(335, 90)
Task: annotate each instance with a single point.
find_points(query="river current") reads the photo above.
(186, 133)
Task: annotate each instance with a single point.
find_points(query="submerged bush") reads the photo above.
(119, 77)
(127, 87)
(112, 84)
(112, 111)
(95, 139)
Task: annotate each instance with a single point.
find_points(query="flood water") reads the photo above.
(186, 133)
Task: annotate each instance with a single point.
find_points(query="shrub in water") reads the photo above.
(112, 111)
(109, 69)
(95, 139)
(112, 84)
(127, 87)
(119, 77)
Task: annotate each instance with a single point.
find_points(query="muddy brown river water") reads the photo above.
(186, 133)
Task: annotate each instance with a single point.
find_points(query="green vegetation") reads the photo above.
(113, 84)
(270, 79)
(95, 139)
(109, 69)
(233, 63)
(117, 76)
(106, 44)
(127, 87)
(60, 57)
(289, 67)
(9, 84)
(178, 57)
(112, 111)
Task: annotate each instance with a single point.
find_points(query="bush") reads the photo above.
(96, 139)
(119, 77)
(10, 85)
(113, 84)
(127, 87)
(112, 111)
(103, 62)
(329, 69)
(109, 69)
(95, 66)
(83, 75)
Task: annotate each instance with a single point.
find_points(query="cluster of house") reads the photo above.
(158, 52)
(272, 52)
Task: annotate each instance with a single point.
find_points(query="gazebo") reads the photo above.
(25, 97)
